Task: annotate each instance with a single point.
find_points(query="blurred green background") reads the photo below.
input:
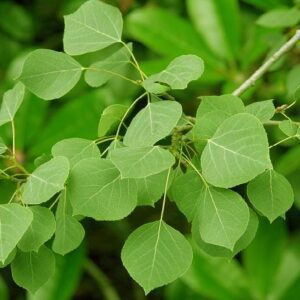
(233, 38)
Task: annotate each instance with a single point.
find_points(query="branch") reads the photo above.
(262, 70)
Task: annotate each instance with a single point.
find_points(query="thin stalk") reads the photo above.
(13, 129)
(284, 140)
(104, 284)
(268, 63)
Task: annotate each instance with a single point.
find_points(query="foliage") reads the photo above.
(148, 150)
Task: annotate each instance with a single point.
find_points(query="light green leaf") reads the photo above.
(100, 72)
(280, 18)
(263, 110)
(223, 216)
(12, 100)
(47, 180)
(186, 191)
(14, 221)
(156, 254)
(96, 190)
(271, 194)
(218, 23)
(31, 270)
(110, 118)
(50, 74)
(3, 147)
(69, 231)
(213, 110)
(289, 127)
(151, 188)
(141, 162)
(40, 230)
(237, 152)
(219, 251)
(94, 26)
(177, 75)
(75, 149)
(153, 123)
(9, 259)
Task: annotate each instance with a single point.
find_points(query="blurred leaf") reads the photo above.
(216, 278)
(4, 294)
(288, 127)
(263, 257)
(3, 147)
(145, 25)
(267, 4)
(293, 81)
(81, 31)
(16, 21)
(288, 162)
(50, 74)
(280, 18)
(76, 118)
(217, 21)
(178, 290)
(65, 281)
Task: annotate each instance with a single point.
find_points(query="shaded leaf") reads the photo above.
(263, 110)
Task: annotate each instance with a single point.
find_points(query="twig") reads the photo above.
(262, 70)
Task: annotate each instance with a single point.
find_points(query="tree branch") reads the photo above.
(262, 70)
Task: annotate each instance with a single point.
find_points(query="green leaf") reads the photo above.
(153, 123)
(271, 194)
(223, 216)
(177, 74)
(50, 74)
(243, 242)
(47, 180)
(141, 162)
(40, 230)
(237, 152)
(213, 110)
(75, 149)
(145, 25)
(289, 128)
(100, 72)
(94, 26)
(14, 221)
(151, 188)
(263, 110)
(66, 279)
(69, 231)
(96, 190)
(280, 18)
(267, 4)
(31, 270)
(185, 191)
(156, 254)
(12, 100)
(263, 257)
(218, 23)
(9, 259)
(3, 147)
(110, 118)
